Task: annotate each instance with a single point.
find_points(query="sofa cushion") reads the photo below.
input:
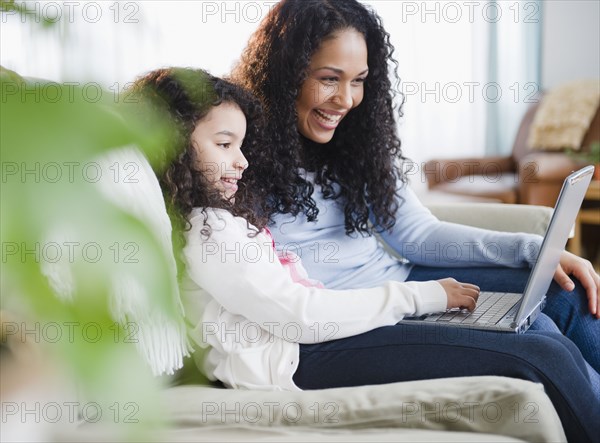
(491, 405)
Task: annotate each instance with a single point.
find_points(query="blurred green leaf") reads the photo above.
(50, 127)
(10, 6)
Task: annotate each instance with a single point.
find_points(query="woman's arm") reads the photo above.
(422, 239)
(244, 275)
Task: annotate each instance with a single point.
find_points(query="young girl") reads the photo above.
(246, 309)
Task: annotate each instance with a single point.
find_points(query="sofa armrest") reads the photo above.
(496, 216)
(439, 171)
(546, 166)
(541, 175)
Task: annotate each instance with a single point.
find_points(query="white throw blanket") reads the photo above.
(160, 339)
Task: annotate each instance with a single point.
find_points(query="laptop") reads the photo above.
(508, 312)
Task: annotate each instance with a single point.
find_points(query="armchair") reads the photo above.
(525, 176)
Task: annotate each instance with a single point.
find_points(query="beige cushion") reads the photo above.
(564, 116)
(279, 435)
(491, 405)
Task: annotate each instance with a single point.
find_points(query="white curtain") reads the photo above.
(112, 42)
(514, 62)
(468, 70)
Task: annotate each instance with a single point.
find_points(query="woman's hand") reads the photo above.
(581, 268)
(460, 295)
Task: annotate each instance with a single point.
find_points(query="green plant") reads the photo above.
(40, 132)
(25, 11)
(591, 156)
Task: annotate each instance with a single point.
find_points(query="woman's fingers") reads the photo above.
(584, 271)
(563, 279)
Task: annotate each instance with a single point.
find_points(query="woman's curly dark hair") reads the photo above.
(185, 96)
(361, 157)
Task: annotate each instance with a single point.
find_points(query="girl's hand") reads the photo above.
(570, 264)
(460, 295)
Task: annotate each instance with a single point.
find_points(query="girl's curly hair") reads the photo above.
(361, 157)
(184, 96)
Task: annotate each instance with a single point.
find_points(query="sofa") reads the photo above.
(465, 409)
(458, 409)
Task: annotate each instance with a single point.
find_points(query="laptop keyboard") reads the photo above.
(491, 308)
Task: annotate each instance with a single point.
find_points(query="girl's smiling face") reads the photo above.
(334, 85)
(217, 139)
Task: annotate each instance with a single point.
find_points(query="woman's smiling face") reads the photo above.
(334, 85)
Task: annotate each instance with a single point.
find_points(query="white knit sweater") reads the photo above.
(246, 309)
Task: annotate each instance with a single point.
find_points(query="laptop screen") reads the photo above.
(565, 212)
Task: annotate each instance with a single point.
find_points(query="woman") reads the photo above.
(321, 70)
(252, 309)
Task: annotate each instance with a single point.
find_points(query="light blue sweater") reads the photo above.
(345, 262)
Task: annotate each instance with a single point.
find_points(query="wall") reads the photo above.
(570, 41)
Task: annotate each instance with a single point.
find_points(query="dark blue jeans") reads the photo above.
(419, 352)
(568, 310)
